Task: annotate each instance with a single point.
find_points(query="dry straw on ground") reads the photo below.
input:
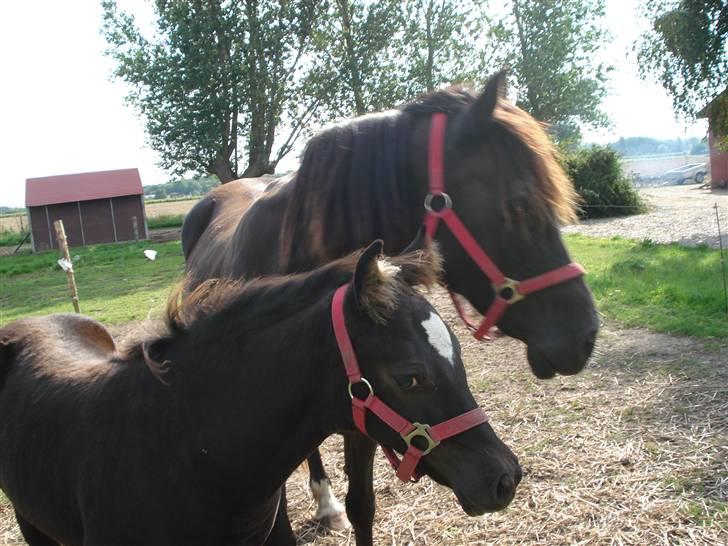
(634, 450)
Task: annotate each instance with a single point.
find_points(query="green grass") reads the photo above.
(10, 237)
(165, 221)
(666, 288)
(116, 283)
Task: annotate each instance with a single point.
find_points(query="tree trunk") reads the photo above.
(356, 86)
(222, 168)
(429, 79)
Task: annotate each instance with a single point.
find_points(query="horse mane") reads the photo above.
(364, 164)
(253, 305)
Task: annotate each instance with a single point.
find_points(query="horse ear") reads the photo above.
(374, 285)
(7, 353)
(418, 243)
(480, 113)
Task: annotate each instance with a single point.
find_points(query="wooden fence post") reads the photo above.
(70, 277)
(135, 226)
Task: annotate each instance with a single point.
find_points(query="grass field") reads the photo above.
(666, 288)
(116, 283)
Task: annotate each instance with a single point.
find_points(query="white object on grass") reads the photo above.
(150, 254)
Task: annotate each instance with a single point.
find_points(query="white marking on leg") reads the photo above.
(330, 511)
(439, 337)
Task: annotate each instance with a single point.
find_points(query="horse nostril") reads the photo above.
(505, 489)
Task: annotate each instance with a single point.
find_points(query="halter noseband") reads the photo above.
(432, 435)
(438, 206)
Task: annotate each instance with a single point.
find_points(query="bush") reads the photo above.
(11, 237)
(165, 221)
(603, 187)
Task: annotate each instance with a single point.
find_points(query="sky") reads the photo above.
(61, 113)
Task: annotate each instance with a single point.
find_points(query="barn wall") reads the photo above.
(718, 163)
(97, 223)
(124, 209)
(68, 212)
(39, 229)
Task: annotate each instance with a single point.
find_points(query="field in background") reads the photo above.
(172, 207)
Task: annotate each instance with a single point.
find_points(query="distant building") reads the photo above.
(718, 158)
(97, 207)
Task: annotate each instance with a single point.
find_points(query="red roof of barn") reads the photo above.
(67, 188)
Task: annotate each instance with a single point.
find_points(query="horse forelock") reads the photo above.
(550, 192)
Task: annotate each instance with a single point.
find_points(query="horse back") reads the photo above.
(211, 230)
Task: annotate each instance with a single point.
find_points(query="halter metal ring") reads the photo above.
(424, 432)
(362, 380)
(428, 202)
(512, 285)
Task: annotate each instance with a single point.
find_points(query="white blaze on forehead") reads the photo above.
(439, 337)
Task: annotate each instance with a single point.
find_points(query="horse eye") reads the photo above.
(408, 382)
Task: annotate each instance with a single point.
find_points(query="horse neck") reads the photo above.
(264, 402)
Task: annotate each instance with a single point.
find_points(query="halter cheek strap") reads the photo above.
(438, 206)
(431, 435)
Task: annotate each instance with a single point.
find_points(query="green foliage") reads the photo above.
(11, 237)
(552, 48)
(598, 177)
(667, 288)
(35, 284)
(637, 146)
(213, 71)
(166, 221)
(182, 187)
(686, 50)
(12, 210)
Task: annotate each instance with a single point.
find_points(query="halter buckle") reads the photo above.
(362, 380)
(424, 432)
(508, 290)
(447, 202)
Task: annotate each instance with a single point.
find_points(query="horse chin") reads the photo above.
(540, 364)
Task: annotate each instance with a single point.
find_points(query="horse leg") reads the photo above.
(282, 533)
(32, 535)
(360, 504)
(330, 512)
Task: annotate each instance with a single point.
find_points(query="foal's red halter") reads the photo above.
(433, 435)
(507, 291)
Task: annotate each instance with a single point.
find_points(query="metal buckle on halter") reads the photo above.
(508, 285)
(362, 380)
(424, 432)
(447, 202)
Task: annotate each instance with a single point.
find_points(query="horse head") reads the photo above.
(501, 181)
(409, 387)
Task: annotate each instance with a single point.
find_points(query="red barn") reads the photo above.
(97, 207)
(718, 158)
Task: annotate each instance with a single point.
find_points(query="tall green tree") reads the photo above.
(358, 66)
(552, 47)
(686, 50)
(443, 43)
(217, 78)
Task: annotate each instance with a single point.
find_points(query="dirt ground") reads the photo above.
(678, 214)
(634, 450)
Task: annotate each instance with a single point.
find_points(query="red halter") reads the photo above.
(433, 435)
(507, 291)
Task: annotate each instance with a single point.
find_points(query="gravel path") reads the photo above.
(678, 214)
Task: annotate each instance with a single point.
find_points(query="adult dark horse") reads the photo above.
(187, 438)
(368, 178)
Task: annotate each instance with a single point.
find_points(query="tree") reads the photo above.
(442, 43)
(552, 49)
(686, 51)
(217, 70)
